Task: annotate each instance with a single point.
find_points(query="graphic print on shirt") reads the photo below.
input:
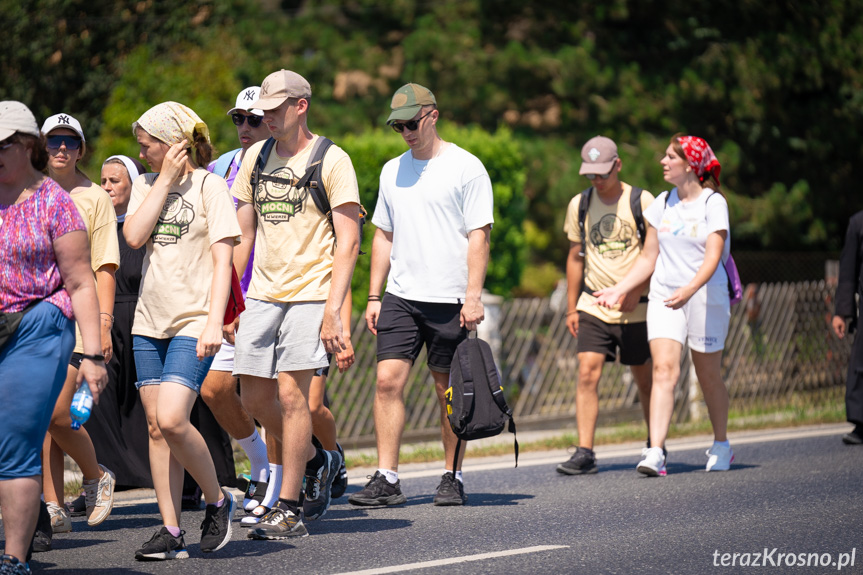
(611, 236)
(677, 227)
(174, 220)
(278, 201)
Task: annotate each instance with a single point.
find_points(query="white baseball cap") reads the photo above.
(245, 99)
(63, 121)
(16, 117)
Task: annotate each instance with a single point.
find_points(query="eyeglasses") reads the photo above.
(72, 142)
(254, 121)
(603, 176)
(6, 144)
(411, 125)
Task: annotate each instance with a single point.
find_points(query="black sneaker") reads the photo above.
(378, 492)
(216, 527)
(42, 538)
(163, 546)
(855, 437)
(77, 507)
(450, 491)
(340, 483)
(318, 487)
(582, 462)
(11, 566)
(278, 524)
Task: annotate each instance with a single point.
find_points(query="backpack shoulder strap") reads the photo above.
(583, 204)
(312, 179)
(635, 206)
(223, 164)
(261, 161)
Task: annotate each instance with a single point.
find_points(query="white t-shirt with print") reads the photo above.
(682, 229)
(430, 207)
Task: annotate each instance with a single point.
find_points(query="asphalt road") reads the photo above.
(796, 491)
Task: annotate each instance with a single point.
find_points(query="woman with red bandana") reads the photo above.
(687, 238)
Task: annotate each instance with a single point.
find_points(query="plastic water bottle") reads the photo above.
(82, 404)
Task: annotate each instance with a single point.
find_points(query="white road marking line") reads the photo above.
(744, 438)
(454, 560)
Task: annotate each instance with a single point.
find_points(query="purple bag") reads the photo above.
(735, 288)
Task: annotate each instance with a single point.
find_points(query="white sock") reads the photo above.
(725, 443)
(392, 476)
(460, 476)
(256, 450)
(274, 486)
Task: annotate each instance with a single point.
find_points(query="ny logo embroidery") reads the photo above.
(63, 119)
(250, 95)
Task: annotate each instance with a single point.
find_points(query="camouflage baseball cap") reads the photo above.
(408, 100)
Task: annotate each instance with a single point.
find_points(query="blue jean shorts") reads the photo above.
(175, 360)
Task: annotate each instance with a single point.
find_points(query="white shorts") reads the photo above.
(224, 360)
(276, 337)
(702, 322)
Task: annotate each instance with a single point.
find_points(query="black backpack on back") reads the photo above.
(310, 180)
(475, 404)
(634, 205)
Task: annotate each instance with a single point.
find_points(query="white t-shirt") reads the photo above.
(682, 230)
(430, 207)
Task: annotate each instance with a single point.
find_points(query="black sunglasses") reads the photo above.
(603, 176)
(54, 142)
(411, 125)
(254, 121)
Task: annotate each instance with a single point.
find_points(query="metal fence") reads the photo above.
(779, 343)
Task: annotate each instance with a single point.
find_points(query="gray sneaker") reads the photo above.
(278, 524)
(378, 492)
(582, 462)
(317, 488)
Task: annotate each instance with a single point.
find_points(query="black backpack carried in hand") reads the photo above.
(475, 404)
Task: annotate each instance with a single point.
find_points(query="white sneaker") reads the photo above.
(100, 497)
(719, 458)
(60, 520)
(652, 463)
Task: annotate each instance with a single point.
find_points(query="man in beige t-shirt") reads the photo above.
(300, 277)
(609, 247)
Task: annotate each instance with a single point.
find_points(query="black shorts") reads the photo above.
(597, 336)
(405, 325)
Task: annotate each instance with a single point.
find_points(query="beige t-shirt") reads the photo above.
(294, 244)
(611, 248)
(97, 211)
(178, 267)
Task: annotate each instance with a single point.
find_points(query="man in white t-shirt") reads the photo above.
(300, 277)
(433, 216)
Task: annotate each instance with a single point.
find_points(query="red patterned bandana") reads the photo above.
(700, 156)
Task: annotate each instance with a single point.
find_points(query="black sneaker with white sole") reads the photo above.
(216, 526)
(378, 492)
(318, 486)
(340, 483)
(450, 491)
(278, 524)
(163, 546)
(582, 462)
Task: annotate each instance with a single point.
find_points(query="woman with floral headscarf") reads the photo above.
(185, 217)
(687, 238)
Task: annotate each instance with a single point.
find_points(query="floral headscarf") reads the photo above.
(171, 122)
(700, 157)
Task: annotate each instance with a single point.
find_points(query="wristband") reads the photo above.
(94, 357)
(374, 298)
(569, 313)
